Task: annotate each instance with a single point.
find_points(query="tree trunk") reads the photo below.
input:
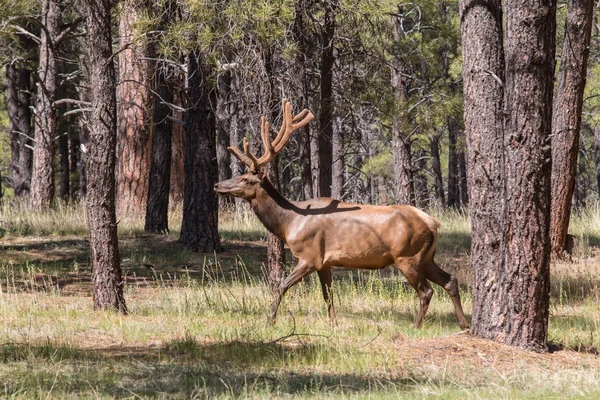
(42, 180)
(223, 131)
(337, 182)
(403, 180)
(74, 162)
(199, 228)
(157, 209)
(135, 114)
(452, 163)
(566, 118)
(314, 161)
(107, 284)
(463, 186)
(436, 166)
(12, 108)
(177, 152)
(326, 111)
(525, 286)
(597, 154)
(483, 60)
(64, 172)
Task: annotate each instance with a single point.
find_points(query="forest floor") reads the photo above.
(197, 322)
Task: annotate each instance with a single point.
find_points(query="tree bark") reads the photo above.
(597, 154)
(529, 50)
(337, 183)
(401, 152)
(326, 111)
(135, 114)
(199, 228)
(463, 186)
(436, 166)
(177, 152)
(107, 283)
(64, 170)
(452, 163)
(223, 131)
(566, 118)
(483, 61)
(157, 209)
(42, 180)
(12, 108)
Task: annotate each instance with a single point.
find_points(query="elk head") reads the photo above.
(246, 186)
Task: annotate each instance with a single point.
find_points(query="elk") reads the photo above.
(323, 233)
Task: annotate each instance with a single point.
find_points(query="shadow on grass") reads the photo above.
(186, 368)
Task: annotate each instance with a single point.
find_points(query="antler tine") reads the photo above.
(291, 127)
(253, 160)
(240, 156)
(266, 138)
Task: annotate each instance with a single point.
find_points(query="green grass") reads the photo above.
(197, 324)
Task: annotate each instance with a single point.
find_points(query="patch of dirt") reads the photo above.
(463, 348)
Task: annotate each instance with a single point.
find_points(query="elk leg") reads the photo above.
(422, 287)
(440, 277)
(301, 270)
(326, 278)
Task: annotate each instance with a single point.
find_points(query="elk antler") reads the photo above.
(288, 126)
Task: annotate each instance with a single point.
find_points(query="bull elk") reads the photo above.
(323, 233)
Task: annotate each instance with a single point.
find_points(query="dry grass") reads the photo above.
(197, 324)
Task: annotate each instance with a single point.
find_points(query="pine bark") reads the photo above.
(566, 117)
(401, 151)
(135, 115)
(42, 180)
(107, 283)
(157, 209)
(483, 61)
(223, 131)
(452, 163)
(597, 154)
(199, 228)
(463, 186)
(64, 167)
(326, 111)
(436, 166)
(337, 168)
(177, 152)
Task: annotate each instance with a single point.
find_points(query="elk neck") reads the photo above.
(272, 209)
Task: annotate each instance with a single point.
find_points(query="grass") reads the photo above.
(197, 323)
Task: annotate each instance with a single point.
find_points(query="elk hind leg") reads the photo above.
(326, 279)
(301, 270)
(422, 287)
(440, 277)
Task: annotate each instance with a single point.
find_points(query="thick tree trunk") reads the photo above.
(463, 186)
(483, 61)
(452, 163)
(337, 169)
(314, 161)
(326, 111)
(107, 283)
(436, 166)
(566, 117)
(199, 228)
(223, 131)
(403, 180)
(157, 209)
(42, 180)
(135, 114)
(177, 153)
(525, 286)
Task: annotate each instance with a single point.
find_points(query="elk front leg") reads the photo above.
(300, 271)
(326, 278)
